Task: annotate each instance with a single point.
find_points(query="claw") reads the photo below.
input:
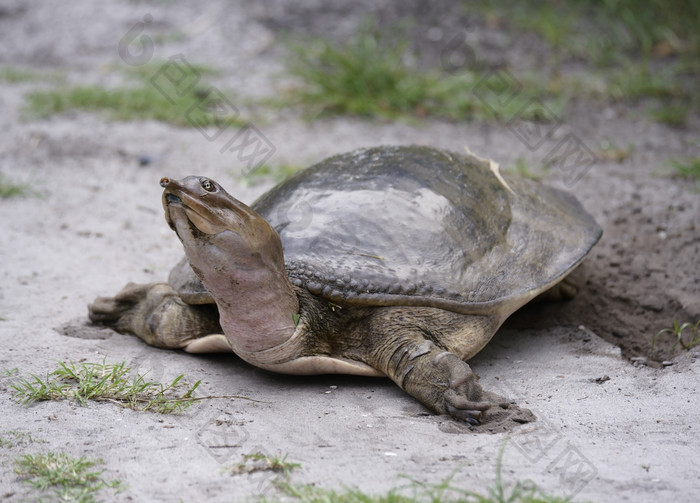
(472, 417)
(466, 410)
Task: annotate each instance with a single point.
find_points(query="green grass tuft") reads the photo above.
(129, 104)
(522, 169)
(365, 76)
(633, 50)
(12, 189)
(677, 331)
(155, 97)
(104, 382)
(258, 461)
(147, 71)
(66, 477)
(14, 75)
(372, 75)
(609, 151)
(277, 173)
(649, 25)
(635, 81)
(14, 438)
(688, 168)
(417, 492)
(671, 114)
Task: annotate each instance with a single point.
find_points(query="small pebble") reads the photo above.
(638, 361)
(666, 363)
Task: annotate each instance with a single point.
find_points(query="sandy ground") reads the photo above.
(98, 224)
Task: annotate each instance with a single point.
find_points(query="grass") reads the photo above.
(66, 477)
(14, 75)
(638, 80)
(650, 26)
(672, 114)
(688, 168)
(637, 49)
(277, 173)
(166, 92)
(102, 382)
(10, 189)
(677, 331)
(365, 76)
(258, 461)
(632, 51)
(609, 151)
(14, 438)
(189, 70)
(372, 75)
(418, 492)
(523, 169)
(607, 32)
(9, 372)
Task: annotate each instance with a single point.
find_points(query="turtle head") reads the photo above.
(201, 212)
(237, 255)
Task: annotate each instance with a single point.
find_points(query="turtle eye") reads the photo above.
(208, 185)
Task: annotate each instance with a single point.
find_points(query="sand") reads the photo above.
(606, 429)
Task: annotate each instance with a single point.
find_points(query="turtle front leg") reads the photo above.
(155, 313)
(437, 378)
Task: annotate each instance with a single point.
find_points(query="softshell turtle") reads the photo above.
(393, 261)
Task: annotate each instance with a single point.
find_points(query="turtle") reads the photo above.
(396, 261)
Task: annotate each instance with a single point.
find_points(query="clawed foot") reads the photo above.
(117, 311)
(155, 313)
(463, 398)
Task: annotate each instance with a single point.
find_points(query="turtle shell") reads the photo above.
(419, 226)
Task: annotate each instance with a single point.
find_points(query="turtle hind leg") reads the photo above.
(399, 343)
(155, 313)
(566, 289)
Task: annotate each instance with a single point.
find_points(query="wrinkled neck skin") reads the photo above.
(256, 301)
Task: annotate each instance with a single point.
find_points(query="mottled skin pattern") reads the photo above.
(353, 304)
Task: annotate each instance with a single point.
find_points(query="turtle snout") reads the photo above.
(168, 196)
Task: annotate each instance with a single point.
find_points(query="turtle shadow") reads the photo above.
(367, 394)
(83, 329)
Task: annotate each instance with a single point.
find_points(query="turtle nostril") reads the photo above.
(164, 181)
